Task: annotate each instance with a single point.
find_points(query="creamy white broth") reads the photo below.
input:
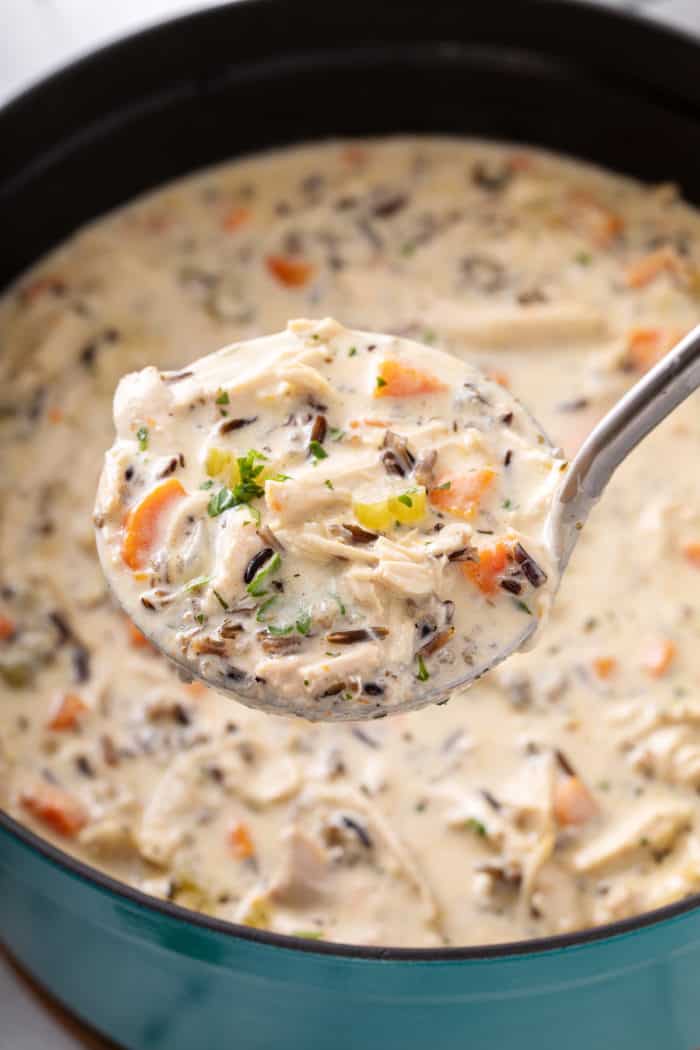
(327, 522)
(561, 790)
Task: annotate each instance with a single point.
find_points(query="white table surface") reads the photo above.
(36, 37)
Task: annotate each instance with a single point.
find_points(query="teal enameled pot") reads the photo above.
(194, 91)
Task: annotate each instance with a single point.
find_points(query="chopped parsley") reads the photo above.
(281, 477)
(336, 433)
(247, 489)
(380, 382)
(303, 624)
(222, 398)
(429, 336)
(208, 484)
(405, 499)
(195, 584)
(522, 606)
(583, 258)
(329, 484)
(317, 450)
(336, 597)
(142, 438)
(445, 486)
(352, 351)
(423, 674)
(477, 827)
(507, 505)
(408, 248)
(256, 587)
(220, 600)
(264, 607)
(279, 631)
(308, 935)
(199, 617)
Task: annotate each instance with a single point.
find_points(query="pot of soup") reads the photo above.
(516, 187)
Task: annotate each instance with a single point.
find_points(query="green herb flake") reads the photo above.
(429, 336)
(257, 584)
(281, 477)
(199, 617)
(522, 606)
(222, 500)
(200, 581)
(303, 624)
(306, 682)
(408, 248)
(423, 673)
(317, 450)
(308, 935)
(279, 632)
(336, 433)
(603, 785)
(380, 382)
(329, 484)
(445, 486)
(208, 484)
(507, 505)
(142, 438)
(220, 600)
(222, 398)
(405, 499)
(352, 351)
(583, 258)
(342, 608)
(477, 827)
(264, 607)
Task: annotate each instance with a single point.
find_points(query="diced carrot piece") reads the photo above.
(354, 155)
(497, 376)
(368, 422)
(235, 218)
(196, 688)
(485, 572)
(596, 220)
(241, 841)
(691, 553)
(644, 270)
(67, 710)
(396, 379)
(54, 807)
(143, 521)
(7, 628)
(37, 288)
(137, 639)
(605, 666)
(572, 802)
(461, 495)
(294, 273)
(646, 346)
(55, 415)
(659, 657)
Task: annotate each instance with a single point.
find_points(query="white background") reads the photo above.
(37, 36)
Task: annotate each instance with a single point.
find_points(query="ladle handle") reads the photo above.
(641, 409)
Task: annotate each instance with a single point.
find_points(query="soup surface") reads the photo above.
(559, 792)
(328, 522)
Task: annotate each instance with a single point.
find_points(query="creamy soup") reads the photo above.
(559, 792)
(328, 522)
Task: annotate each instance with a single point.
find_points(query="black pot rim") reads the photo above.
(104, 882)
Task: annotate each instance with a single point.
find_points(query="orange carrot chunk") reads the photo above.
(572, 802)
(604, 666)
(486, 571)
(646, 346)
(293, 273)
(659, 657)
(66, 711)
(646, 269)
(7, 628)
(595, 219)
(396, 379)
(691, 553)
(241, 841)
(235, 218)
(143, 522)
(461, 496)
(61, 812)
